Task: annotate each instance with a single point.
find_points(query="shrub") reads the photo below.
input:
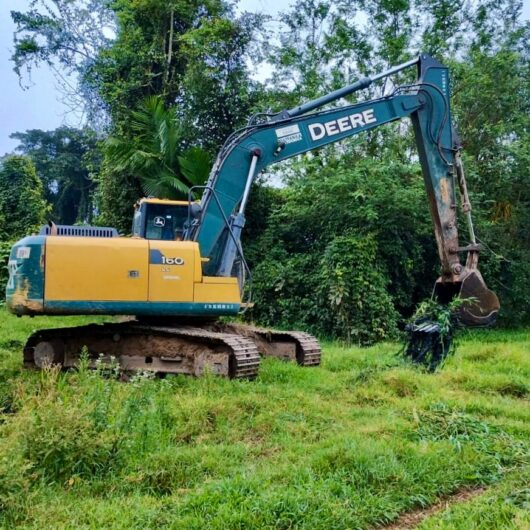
(5, 249)
(352, 288)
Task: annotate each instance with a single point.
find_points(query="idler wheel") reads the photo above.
(47, 353)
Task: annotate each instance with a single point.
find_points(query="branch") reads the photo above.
(170, 46)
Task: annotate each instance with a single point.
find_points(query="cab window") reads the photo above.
(165, 222)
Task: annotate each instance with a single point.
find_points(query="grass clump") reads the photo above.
(57, 437)
(441, 422)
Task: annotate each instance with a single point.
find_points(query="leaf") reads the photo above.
(195, 165)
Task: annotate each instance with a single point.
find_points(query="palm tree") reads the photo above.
(155, 155)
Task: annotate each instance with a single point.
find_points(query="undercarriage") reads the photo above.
(228, 350)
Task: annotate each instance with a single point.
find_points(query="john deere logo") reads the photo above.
(159, 221)
(333, 127)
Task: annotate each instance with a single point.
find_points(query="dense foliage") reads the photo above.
(345, 246)
(66, 161)
(192, 56)
(331, 265)
(22, 206)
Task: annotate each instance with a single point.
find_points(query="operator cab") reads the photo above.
(160, 219)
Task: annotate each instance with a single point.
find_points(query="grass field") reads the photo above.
(355, 443)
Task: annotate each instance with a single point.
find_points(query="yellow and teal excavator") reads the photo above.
(184, 267)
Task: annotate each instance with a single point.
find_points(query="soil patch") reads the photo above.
(412, 519)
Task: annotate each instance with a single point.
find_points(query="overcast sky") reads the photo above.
(40, 107)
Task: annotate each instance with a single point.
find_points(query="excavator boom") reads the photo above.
(293, 132)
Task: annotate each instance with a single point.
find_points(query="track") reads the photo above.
(137, 347)
(297, 346)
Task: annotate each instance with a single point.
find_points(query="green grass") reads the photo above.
(505, 506)
(351, 444)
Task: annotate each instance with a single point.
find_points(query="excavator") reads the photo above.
(184, 269)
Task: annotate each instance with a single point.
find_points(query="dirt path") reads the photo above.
(413, 519)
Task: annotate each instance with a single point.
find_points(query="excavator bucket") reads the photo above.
(481, 304)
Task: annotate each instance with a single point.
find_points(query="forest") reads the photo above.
(339, 240)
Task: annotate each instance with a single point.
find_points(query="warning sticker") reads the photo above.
(290, 134)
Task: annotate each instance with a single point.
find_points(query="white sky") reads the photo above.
(40, 106)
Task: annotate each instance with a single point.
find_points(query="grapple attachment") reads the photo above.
(481, 304)
(428, 344)
(430, 337)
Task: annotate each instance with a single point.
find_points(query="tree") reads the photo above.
(217, 95)
(186, 52)
(66, 161)
(302, 57)
(155, 154)
(192, 56)
(22, 206)
(67, 35)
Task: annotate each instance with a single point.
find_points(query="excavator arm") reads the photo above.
(296, 131)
